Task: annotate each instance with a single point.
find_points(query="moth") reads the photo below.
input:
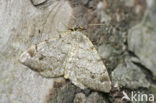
(72, 55)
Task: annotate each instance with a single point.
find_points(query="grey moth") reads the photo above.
(70, 55)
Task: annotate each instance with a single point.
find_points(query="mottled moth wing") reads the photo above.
(71, 55)
(48, 57)
(85, 67)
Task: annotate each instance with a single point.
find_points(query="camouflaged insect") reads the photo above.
(72, 55)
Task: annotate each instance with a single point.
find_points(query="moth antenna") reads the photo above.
(68, 27)
(73, 17)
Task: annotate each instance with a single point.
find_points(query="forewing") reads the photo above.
(85, 68)
(48, 57)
